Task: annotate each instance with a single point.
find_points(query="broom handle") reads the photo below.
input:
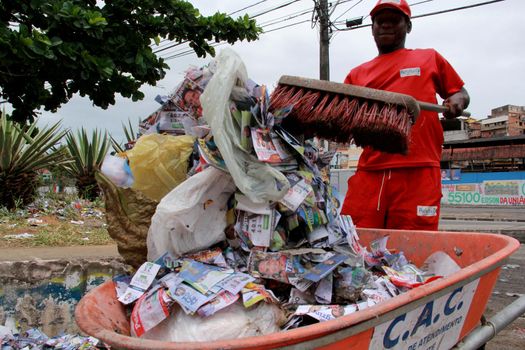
(438, 108)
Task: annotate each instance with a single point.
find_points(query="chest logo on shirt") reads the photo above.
(410, 72)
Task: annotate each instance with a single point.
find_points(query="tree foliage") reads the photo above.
(52, 49)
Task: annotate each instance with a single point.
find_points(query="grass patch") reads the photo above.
(54, 220)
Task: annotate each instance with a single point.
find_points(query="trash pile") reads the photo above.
(46, 215)
(33, 339)
(67, 208)
(252, 241)
(63, 209)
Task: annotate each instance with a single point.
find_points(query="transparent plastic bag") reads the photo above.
(258, 181)
(159, 163)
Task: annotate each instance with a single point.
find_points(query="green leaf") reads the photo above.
(97, 21)
(26, 41)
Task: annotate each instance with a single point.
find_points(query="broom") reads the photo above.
(341, 112)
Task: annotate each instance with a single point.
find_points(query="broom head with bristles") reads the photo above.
(342, 112)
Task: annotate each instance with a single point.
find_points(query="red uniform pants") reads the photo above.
(406, 198)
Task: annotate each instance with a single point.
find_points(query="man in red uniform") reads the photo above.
(393, 190)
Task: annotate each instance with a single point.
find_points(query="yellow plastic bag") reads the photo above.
(159, 163)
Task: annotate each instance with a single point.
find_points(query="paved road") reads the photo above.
(481, 213)
(509, 221)
(511, 281)
(510, 286)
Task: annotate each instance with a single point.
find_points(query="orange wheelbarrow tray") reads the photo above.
(434, 316)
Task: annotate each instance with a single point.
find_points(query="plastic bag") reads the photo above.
(233, 322)
(257, 180)
(192, 217)
(128, 214)
(118, 171)
(440, 263)
(159, 163)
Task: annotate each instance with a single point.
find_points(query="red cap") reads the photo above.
(400, 5)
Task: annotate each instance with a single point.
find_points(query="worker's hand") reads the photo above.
(456, 104)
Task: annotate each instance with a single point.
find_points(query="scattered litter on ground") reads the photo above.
(24, 235)
(519, 295)
(36, 222)
(511, 266)
(34, 339)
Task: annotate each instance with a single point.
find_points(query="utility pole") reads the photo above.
(324, 47)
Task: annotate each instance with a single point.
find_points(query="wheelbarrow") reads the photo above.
(438, 315)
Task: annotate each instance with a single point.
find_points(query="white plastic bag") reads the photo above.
(233, 322)
(440, 263)
(118, 171)
(192, 216)
(258, 181)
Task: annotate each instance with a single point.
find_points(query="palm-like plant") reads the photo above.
(130, 134)
(23, 151)
(87, 156)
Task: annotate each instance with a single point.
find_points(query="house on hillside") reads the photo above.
(508, 120)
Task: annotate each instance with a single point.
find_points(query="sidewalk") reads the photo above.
(503, 220)
(55, 253)
(482, 213)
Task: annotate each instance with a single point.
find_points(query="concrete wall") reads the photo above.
(44, 293)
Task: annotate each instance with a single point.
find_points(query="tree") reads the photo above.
(52, 49)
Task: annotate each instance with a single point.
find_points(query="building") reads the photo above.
(503, 153)
(461, 129)
(508, 120)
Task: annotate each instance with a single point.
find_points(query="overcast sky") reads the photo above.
(484, 44)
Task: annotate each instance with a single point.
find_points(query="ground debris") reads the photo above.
(34, 339)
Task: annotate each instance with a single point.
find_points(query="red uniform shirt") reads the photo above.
(421, 73)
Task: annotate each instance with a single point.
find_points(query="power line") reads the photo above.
(334, 22)
(274, 9)
(190, 51)
(170, 45)
(351, 7)
(247, 7)
(286, 26)
(186, 51)
(251, 17)
(459, 8)
(275, 21)
(229, 14)
(286, 17)
(411, 5)
(435, 13)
